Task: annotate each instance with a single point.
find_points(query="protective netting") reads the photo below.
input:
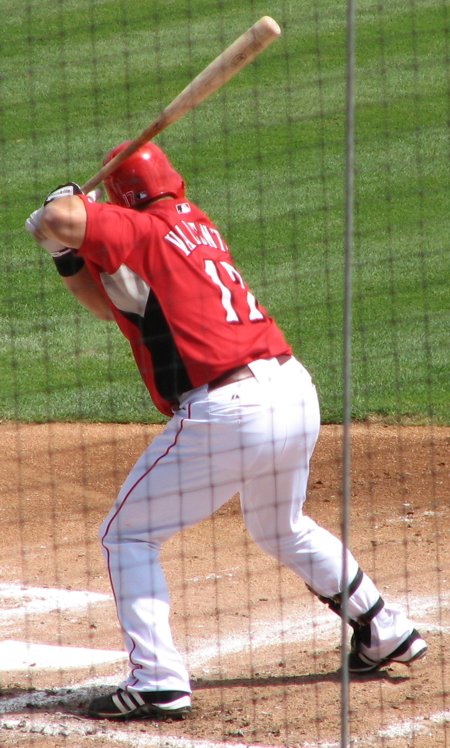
(265, 157)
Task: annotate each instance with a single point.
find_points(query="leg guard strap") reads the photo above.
(365, 618)
(361, 624)
(335, 602)
(361, 627)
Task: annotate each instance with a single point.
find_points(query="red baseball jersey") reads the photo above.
(176, 295)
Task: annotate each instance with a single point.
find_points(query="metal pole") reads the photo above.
(347, 358)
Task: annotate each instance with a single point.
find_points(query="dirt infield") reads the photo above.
(264, 655)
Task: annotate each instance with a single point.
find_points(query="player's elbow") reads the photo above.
(55, 216)
(65, 221)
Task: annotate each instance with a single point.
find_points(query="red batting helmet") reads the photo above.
(145, 175)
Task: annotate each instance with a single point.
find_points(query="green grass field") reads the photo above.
(265, 157)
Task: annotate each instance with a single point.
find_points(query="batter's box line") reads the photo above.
(406, 729)
(59, 729)
(35, 600)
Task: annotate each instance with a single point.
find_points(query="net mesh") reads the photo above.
(265, 158)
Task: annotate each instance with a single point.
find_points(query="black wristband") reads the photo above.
(68, 264)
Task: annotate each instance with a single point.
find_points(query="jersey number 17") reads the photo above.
(231, 275)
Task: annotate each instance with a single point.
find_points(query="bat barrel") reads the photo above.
(237, 56)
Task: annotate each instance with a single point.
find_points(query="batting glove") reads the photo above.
(70, 189)
(64, 190)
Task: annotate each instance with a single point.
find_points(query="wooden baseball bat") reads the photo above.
(235, 57)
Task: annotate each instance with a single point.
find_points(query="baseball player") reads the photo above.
(244, 417)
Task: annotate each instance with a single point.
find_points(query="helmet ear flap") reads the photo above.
(144, 176)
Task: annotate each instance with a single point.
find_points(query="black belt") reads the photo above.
(242, 372)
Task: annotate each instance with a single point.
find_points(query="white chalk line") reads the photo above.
(124, 738)
(294, 629)
(405, 729)
(17, 656)
(34, 600)
(411, 727)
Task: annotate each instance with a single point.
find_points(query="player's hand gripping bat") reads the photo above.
(239, 54)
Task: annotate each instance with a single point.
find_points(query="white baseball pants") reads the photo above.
(255, 437)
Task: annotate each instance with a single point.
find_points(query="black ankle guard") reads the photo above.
(361, 626)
